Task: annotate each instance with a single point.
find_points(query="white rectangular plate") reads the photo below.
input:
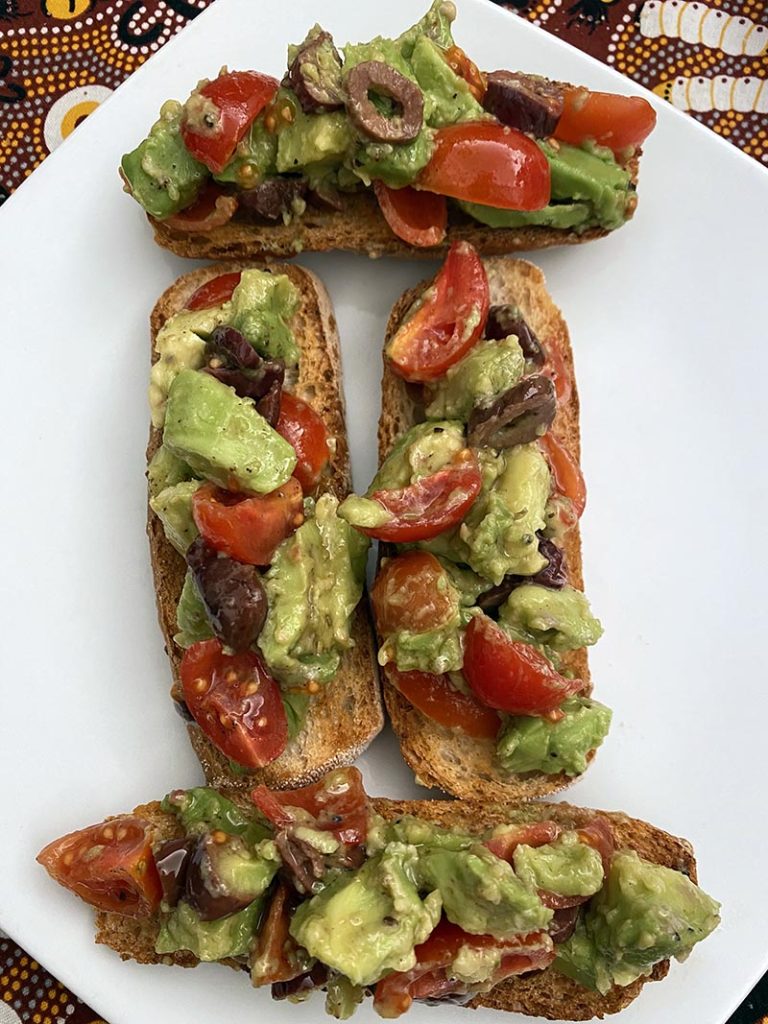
(666, 319)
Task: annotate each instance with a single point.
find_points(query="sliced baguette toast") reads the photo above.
(442, 757)
(345, 716)
(544, 993)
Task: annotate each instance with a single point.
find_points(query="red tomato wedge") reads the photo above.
(419, 218)
(460, 64)
(410, 592)
(239, 96)
(248, 527)
(215, 292)
(534, 833)
(599, 833)
(272, 944)
(449, 321)
(236, 703)
(212, 209)
(566, 471)
(557, 371)
(109, 866)
(396, 992)
(306, 432)
(338, 803)
(431, 505)
(437, 699)
(619, 122)
(509, 675)
(492, 164)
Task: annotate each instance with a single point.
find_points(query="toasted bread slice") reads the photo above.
(544, 993)
(439, 756)
(345, 716)
(360, 227)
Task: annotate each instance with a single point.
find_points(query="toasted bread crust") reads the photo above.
(442, 757)
(543, 993)
(347, 713)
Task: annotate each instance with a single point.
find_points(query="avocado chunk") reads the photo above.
(203, 809)
(254, 159)
(490, 368)
(589, 174)
(342, 998)
(262, 306)
(435, 25)
(191, 616)
(173, 507)
(559, 620)
(644, 913)
(567, 866)
(165, 470)
(222, 436)
(447, 97)
(160, 173)
(416, 832)
(562, 215)
(367, 923)
(500, 529)
(313, 586)
(527, 743)
(313, 140)
(233, 869)
(480, 892)
(180, 345)
(208, 940)
(423, 450)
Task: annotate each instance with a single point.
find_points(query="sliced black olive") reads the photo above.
(304, 983)
(315, 75)
(269, 404)
(230, 346)
(181, 709)
(236, 363)
(233, 594)
(519, 415)
(273, 197)
(563, 923)
(205, 890)
(374, 76)
(506, 320)
(172, 860)
(529, 103)
(553, 575)
(326, 197)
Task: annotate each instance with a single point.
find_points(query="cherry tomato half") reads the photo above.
(509, 675)
(566, 471)
(395, 993)
(236, 703)
(557, 371)
(461, 65)
(535, 833)
(215, 292)
(248, 527)
(239, 96)
(431, 505)
(272, 944)
(435, 697)
(338, 803)
(109, 866)
(410, 592)
(492, 164)
(212, 209)
(618, 122)
(306, 432)
(449, 321)
(419, 218)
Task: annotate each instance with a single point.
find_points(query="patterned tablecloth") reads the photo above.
(60, 58)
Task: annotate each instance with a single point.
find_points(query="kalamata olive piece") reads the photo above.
(563, 924)
(205, 890)
(505, 320)
(230, 346)
(325, 197)
(233, 594)
(273, 197)
(553, 575)
(172, 861)
(181, 709)
(374, 76)
(315, 978)
(315, 75)
(529, 103)
(269, 405)
(519, 415)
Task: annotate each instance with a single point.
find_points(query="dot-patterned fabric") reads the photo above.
(60, 58)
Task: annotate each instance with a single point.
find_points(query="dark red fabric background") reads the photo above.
(60, 58)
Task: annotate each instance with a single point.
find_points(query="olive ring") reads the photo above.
(384, 80)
